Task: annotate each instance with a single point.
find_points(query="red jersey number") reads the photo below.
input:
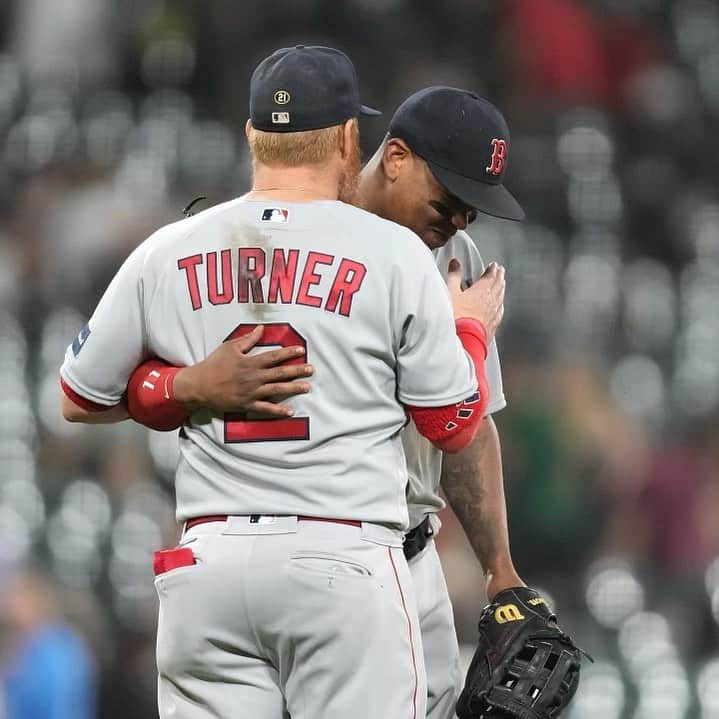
(238, 427)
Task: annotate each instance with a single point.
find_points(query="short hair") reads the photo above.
(292, 149)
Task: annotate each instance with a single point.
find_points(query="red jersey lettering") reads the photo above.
(251, 268)
(259, 278)
(347, 282)
(282, 276)
(310, 278)
(189, 264)
(213, 294)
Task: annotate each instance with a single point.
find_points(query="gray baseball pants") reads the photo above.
(278, 617)
(439, 638)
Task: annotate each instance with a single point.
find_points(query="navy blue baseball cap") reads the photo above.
(305, 88)
(465, 141)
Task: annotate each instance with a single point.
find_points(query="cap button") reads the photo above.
(299, 47)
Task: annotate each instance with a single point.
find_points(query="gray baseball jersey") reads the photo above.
(362, 294)
(424, 460)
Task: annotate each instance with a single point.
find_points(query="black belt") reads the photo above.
(416, 540)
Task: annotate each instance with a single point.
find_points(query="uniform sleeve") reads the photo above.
(100, 360)
(492, 368)
(432, 367)
(493, 373)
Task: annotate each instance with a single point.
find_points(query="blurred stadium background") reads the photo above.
(114, 115)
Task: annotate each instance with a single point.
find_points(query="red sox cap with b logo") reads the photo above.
(465, 141)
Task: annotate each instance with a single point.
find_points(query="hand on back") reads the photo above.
(231, 379)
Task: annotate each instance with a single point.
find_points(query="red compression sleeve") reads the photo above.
(149, 396)
(452, 427)
(473, 337)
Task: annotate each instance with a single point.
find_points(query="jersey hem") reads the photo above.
(443, 402)
(100, 403)
(496, 406)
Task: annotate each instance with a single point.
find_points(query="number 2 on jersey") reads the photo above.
(238, 428)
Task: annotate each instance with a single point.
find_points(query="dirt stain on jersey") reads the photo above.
(245, 235)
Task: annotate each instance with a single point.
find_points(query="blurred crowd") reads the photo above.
(113, 116)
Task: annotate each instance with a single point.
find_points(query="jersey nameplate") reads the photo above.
(257, 275)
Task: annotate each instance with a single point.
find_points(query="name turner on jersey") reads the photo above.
(252, 274)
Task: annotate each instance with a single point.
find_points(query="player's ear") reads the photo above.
(248, 127)
(395, 155)
(349, 138)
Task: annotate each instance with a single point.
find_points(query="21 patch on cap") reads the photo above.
(275, 214)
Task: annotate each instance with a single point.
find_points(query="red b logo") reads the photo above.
(499, 155)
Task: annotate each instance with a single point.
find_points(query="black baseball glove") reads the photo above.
(525, 666)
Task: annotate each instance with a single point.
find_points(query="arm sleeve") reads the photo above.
(453, 427)
(493, 371)
(102, 357)
(433, 369)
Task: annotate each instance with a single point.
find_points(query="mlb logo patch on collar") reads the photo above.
(275, 214)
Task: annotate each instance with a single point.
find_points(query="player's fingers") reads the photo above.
(454, 276)
(269, 409)
(248, 341)
(490, 269)
(488, 279)
(501, 283)
(282, 389)
(275, 357)
(285, 373)
(493, 278)
(494, 274)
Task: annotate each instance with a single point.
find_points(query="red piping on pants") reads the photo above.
(411, 638)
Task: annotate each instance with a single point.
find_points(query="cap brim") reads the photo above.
(495, 200)
(365, 110)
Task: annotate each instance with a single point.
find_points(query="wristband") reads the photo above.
(150, 399)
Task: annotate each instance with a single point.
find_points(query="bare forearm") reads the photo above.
(473, 484)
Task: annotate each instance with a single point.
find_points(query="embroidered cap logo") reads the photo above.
(282, 97)
(499, 157)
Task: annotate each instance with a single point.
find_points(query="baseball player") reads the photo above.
(444, 158)
(290, 588)
(438, 139)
